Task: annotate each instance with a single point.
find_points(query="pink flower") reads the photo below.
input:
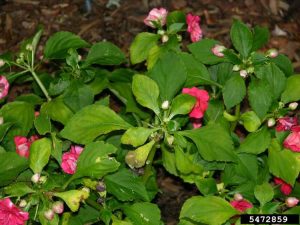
(23, 145)
(197, 123)
(4, 86)
(292, 141)
(217, 50)
(286, 123)
(291, 202)
(69, 159)
(194, 27)
(156, 17)
(285, 188)
(241, 205)
(201, 105)
(36, 113)
(10, 214)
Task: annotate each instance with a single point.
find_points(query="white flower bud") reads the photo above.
(291, 202)
(271, 122)
(164, 38)
(2, 62)
(165, 105)
(170, 140)
(272, 53)
(49, 214)
(236, 68)
(1, 120)
(36, 178)
(243, 73)
(23, 203)
(179, 38)
(238, 197)
(293, 105)
(79, 57)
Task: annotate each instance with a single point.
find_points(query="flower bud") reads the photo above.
(36, 178)
(58, 207)
(293, 105)
(23, 203)
(165, 105)
(1, 120)
(250, 69)
(280, 105)
(100, 201)
(291, 202)
(179, 38)
(2, 62)
(29, 47)
(49, 214)
(161, 32)
(164, 38)
(272, 53)
(43, 179)
(170, 140)
(101, 186)
(236, 68)
(271, 122)
(217, 50)
(238, 197)
(243, 73)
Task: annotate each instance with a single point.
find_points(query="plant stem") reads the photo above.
(148, 167)
(67, 183)
(41, 85)
(93, 204)
(237, 115)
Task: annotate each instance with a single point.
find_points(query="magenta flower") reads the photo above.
(10, 214)
(285, 188)
(23, 145)
(292, 141)
(156, 17)
(194, 27)
(286, 123)
(241, 205)
(69, 159)
(4, 86)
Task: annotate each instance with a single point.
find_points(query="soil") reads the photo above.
(119, 21)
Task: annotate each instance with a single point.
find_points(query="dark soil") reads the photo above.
(119, 23)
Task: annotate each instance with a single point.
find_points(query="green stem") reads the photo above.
(148, 167)
(237, 115)
(41, 85)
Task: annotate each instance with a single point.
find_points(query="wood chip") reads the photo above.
(27, 2)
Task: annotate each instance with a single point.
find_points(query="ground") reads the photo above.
(119, 21)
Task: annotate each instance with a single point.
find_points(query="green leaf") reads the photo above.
(170, 75)
(58, 44)
(143, 213)
(18, 190)
(4, 128)
(40, 151)
(78, 95)
(221, 72)
(141, 46)
(274, 76)
(175, 17)
(154, 54)
(250, 121)
(182, 104)
(284, 63)
(260, 38)
(292, 91)
(126, 186)
(260, 97)
(146, 92)
(264, 193)
(210, 148)
(136, 136)
(202, 51)
(234, 91)
(256, 142)
(30, 98)
(42, 124)
(105, 53)
(21, 114)
(197, 73)
(95, 161)
(92, 121)
(209, 210)
(57, 110)
(207, 186)
(242, 38)
(9, 171)
(277, 161)
(56, 148)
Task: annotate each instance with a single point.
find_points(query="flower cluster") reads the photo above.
(69, 159)
(10, 214)
(23, 145)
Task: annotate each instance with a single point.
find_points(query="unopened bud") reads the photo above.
(243, 73)
(272, 53)
(280, 105)
(164, 38)
(165, 105)
(2, 62)
(100, 200)
(161, 32)
(220, 187)
(217, 50)
(101, 186)
(238, 197)
(271, 122)
(23, 203)
(179, 38)
(29, 47)
(49, 214)
(236, 68)
(79, 57)
(58, 207)
(250, 69)
(293, 105)
(43, 179)
(86, 193)
(170, 139)
(36, 178)
(1, 120)
(291, 202)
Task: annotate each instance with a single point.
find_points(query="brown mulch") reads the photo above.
(120, 23)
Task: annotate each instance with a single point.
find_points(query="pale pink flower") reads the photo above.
(292, 141)
(217, 50)
(10, 214)
(286, 123)
(4, 87)
(23, 144)
(156, 17)
(194, 27)
(291, 201)
(69, 159)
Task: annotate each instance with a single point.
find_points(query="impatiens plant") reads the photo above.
(224, 119)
